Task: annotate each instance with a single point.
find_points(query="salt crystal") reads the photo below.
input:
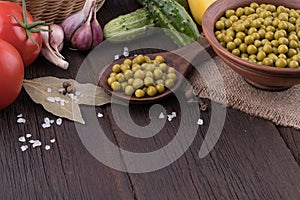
(22, 139)
(62, 103)
(170, 117)
(77, 93)
(173, 114)
(24, 147)
(126, 54)
(200, 122)
(100, 115)
(20, 115)
(59, 121)
(45, 125)
(28, 135)
(47, 147)
(116, 57)
(61, 90)
(161, 115)
(21, 121)
(31, 141)
(57, 99)
(47, 120)
(49, 90)
(51, 99)
(126, 49)
(37, 143)
(51, 121)
(52, 140)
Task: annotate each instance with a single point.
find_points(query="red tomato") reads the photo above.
(11, 74)
(13, 33)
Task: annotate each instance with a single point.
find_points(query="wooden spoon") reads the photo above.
(174, 59)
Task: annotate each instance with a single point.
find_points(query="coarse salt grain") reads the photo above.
(59, 121)
(170, 117)
(52, 121)
(21, 120)
(100, 115)
(52, 140)
(47, 120)
(57, 99)
(37, 143)
(61, 90)
(49, 90)
(20, 115)
(28, 135)
(24, 147)
(173, 114)
(126, 54)
(47, 147)
(22, 139)
(45, 125)
(51, 99)
(161, 115)
(200, 122)
(126, 49)
(116, 57)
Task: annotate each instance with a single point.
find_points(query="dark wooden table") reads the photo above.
(253, 158)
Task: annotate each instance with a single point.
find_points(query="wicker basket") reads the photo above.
(54, 11)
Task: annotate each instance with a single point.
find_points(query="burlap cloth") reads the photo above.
(282, 107)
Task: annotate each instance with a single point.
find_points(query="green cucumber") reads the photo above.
(129, 26)
(171, 15)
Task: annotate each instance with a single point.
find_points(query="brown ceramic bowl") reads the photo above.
(260, 76)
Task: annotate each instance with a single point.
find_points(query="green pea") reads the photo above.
(283, 48)
(251, 49)
(293, 64)
(169, 83)
(243, 47)
(291, 52)
(275, 43)
(219, 25)
(237, 41)
(249, 39)
(160, 88)
(261, 55)
(116, 86)
(116, 68)
(267, 48)
(129, 90)
(229, 13)
(172, 76)
(110, 80)
(236, 52)
(151, 91)
(281, 63)
(293, 44)
(148, 81)
(139, 93)
(269, 35)
(137, 83)
(268, 61)
(230, 46)
(120, 77)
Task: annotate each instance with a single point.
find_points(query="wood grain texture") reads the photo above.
(253, 159)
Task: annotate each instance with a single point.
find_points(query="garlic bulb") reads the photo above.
(82, 28)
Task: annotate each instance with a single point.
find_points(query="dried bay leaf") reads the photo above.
(37, 90)
(87, 94)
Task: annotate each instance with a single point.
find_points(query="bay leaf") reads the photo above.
(39, 90)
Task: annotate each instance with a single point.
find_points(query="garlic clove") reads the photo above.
(72, 23)
(82, 38)
(97, 31)
(48, 52)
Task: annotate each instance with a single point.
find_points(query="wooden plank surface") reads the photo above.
(253, 159)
